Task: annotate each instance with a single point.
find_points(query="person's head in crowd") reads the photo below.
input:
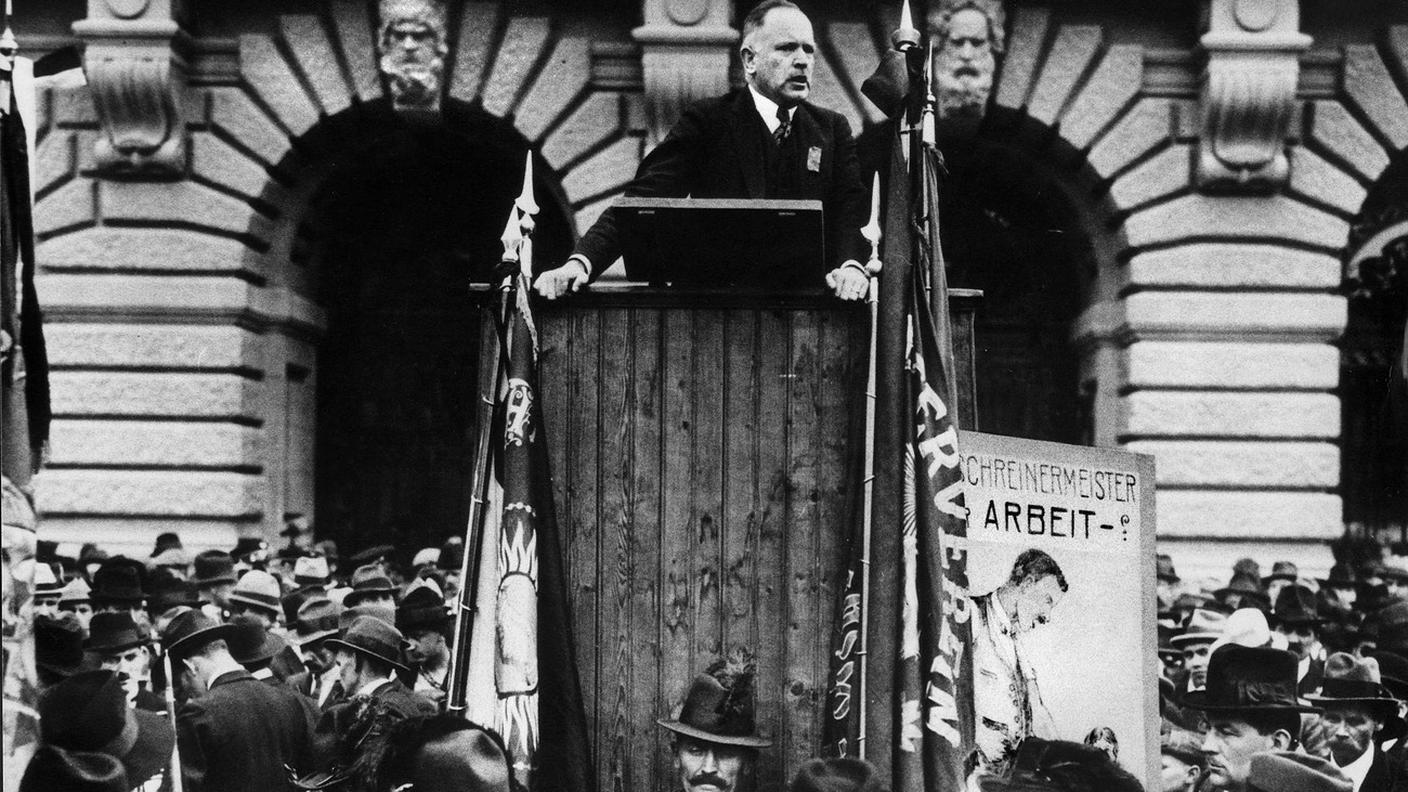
(1170, 656)
(1181, 759)
(1104, 738)
(1249, 627)
(371, 586)
(168, 591)
(119, 645)
(837, 775)
(778, 52)
(444, 753)
(120, 587)
(311, 574)
(1291, 771)
(368, 652)
(257, 594)
(1387, 629)
(1356, 707)
(48, 585)
(86, 715)
(425, 558)
(1243, 591)
(90, 558)
(250, 552)
(75, 598)
(1393, 673)
(1251, 707)
(425, 621)
(714, 740)
(1204, 627)
(1395, 583)
(199, 650)
(58, 648)
(1167, 580)
(327, 549)
(175, 561)
(1297, 620)
(252, 645)
(1032, 591)
(1371, 572)
(316, 622)
(1339, 590)
(1060, 766)
(1283, 573)
(215, 577)
(168, 540)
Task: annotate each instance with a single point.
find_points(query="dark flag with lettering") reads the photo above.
(917, 682)
(523, 673)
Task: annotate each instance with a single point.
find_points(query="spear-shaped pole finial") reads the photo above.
(906, 36)
(512, 238)
(871, 230)
(525, 203)
(930, 102)
(8, 45)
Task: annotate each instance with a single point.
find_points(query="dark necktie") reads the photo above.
(784, 126)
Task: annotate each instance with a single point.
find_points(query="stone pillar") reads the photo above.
(136, 68)
(686, 50)
(1248, 96)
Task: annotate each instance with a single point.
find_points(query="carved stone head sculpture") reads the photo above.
(968, 36)
(412, 45)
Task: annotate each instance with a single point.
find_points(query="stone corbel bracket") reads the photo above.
(136, 71)
(686, 49)
(1248, 94)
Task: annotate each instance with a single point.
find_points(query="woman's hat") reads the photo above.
(374, 638)
(89, 712)
(1249, 679)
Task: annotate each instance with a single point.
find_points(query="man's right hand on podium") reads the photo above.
(567, 278)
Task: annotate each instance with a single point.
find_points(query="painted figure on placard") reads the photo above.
(1006, 699)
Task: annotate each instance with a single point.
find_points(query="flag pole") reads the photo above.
(457, 691)
(872, 233)
(178, 784)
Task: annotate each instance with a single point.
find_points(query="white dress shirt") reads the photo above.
(1358, 770)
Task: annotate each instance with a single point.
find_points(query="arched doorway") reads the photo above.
(408, 214)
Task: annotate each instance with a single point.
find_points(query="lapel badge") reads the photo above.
(814, 159)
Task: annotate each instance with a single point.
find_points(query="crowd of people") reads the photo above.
(1285, 682)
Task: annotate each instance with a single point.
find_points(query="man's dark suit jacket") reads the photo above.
(720, 149)
(241, 733)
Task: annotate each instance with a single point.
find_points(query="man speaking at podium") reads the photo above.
(764, 141)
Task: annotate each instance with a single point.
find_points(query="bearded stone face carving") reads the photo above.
(412, 46)
(968, 37)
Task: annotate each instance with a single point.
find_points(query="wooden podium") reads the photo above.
(699, 443)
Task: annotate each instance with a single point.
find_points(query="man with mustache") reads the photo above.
(764, 141)
(714, 739)
(1358, 707)
(1004, 687)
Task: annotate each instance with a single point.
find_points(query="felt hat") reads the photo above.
(1182, 744)
(374, 638)
(291, 602)
(112, 632)
(317, 619)
(1204, 626)
(166, 541)
(190, 631)
(214, 567)
(1341, 576)
(715, 713)
(1290, 771)
(58, 644)
(1247, 588)
(250, 641)
(451, 554)
(247, 546)
(1393, 672)
(311, 571)
(89, 712)
(1352, 680)
(1391, 625)
(1046, 765)
(1295, 605)
(447, 754)
(1248, 627)
(368, 580)
(836, 775)
(119, 580)
(91, 553)
(1249, 679)
(373, 555)
(74, 592)
(380, 610)
(426, 556)
(53, 768)
(174, 557)
(1163, 566)
(48, 580)
(172, 593)
(423, 608)
(1282, 570)
(258, 589)
(1190, 601)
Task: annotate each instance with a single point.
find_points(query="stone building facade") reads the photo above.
(1214, 157)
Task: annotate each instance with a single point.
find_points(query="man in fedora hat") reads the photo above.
(76, 598)
(316, 622)
(258, 594)
(119, 645)
(370, 586)
(425, 621)
(1283, 573)
(58, 649)
(88, 714)
(1243, 591)
(1195, 642)
(215, 579)
(1357, 708)
(714, 738)
(1296, 618)
(235, 732)
(1287, 771)
(352, 735)
(1167, 580)
(1251, 707)
(119, 585)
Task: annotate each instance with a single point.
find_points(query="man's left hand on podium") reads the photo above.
(849, 281)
